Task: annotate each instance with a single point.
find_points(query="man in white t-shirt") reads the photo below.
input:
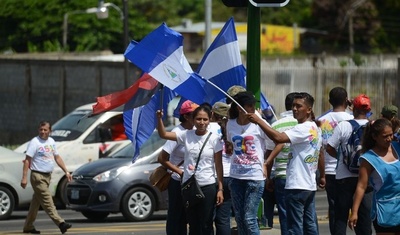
(346, 181)
(301, 185)
(40, 157)
(339, 101)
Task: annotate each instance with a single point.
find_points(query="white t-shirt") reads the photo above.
(42, 153)
(205, 173)
(176, 152)
(340, 136)
(306, 141)
(215, 128)
(328, 122)
(249, 146)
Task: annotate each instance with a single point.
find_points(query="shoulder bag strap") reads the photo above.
(201, 150)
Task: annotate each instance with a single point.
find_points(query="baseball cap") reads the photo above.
(221, 109)
(244, 98)
(188, 107)
(362, 102)
(389, 111)
(233, 90)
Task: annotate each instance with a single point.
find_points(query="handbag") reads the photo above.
(160, 177)
(192, 194)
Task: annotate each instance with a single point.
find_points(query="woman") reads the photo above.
(380, 164)
(305, 142)
(172, 157)
(200, 217)
(247, 175)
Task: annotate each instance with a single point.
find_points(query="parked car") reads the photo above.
(81, 138)
(114, 184)
(12, 195)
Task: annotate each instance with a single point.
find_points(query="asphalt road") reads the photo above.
(116, 224)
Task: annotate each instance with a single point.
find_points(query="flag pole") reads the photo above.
(230, 97)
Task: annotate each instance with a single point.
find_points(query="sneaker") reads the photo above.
(32, 231)
(64, 227)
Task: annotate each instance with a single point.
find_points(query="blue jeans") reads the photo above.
(200, 217)
(280, 198)
(300, 211)
(330, 189)
(176, 217)
(223, 212)
(269, 205)
(345, 189)
(246, 196)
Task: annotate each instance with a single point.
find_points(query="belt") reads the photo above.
(42, 173)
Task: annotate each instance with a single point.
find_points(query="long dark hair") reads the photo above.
(373, 128)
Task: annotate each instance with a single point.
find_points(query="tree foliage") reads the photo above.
(37, 25)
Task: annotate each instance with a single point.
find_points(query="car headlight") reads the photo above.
(109, 175)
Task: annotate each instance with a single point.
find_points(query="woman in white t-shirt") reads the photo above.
(200, 217)
(300, 188)
(172, 157)
(246, 172)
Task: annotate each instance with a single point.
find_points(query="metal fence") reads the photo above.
(377, 77)
(33, 90)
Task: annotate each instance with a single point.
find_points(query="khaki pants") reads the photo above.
(41, 197)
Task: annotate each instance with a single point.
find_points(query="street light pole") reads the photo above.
(126, 41)
(101, 12)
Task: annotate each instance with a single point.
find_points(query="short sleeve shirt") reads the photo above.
(249, 146)
(42, 153)
(305, 139)
(338, 140)
(176, 152)
(328, 123)
(205, 173)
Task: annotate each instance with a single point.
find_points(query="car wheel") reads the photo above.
(62, 193)
(95, 215)
(138, 204)
(7, 203)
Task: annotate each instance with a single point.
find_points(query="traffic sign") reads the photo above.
(269, 3)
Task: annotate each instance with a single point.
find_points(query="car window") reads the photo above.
(72, 126)
(149, 147)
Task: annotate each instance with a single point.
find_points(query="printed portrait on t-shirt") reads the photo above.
(245, 150)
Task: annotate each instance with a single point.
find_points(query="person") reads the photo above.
(277, 162)
(300, 188)
(346, 181)
(40, 156)
(172, 157)
(222, 219)
(246, 172)
(200, 217)
(232, 91)
(339, 101)
(390, 113)
(380, 164)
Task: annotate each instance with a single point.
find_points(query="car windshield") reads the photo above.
(148, 148)
(72, 126)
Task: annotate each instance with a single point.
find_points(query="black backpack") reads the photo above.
(352, 150)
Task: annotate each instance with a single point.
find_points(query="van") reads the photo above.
(80, 139)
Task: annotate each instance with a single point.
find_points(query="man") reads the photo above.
(339, 101)
(300, 188)
(278, 160)
(40, 157)
(346, 181)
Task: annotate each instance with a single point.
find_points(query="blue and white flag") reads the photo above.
(160, 54)
(222, 64)
(140, 122)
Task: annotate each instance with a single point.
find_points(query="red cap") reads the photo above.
(188, 107)
(362, 102)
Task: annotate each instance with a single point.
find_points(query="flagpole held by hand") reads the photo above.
(226, 95)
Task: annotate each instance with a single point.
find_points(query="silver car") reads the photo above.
(114, 184)
(12, 195)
